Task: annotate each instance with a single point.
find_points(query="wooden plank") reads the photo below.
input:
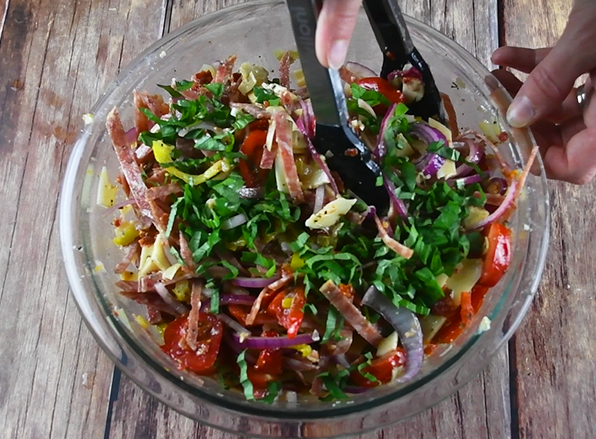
(480, 409)
(56, 56)
(553, 353)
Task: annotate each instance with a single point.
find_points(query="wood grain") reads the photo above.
(553, 354)
(480, 409)
(56, 56)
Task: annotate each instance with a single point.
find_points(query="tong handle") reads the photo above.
(324, 85)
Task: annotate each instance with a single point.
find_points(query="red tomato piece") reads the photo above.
(259, 380)
(239, 312)
(250, 169)
(467, 309)
(452, 329)
(381, 368)
(203, 359)
(291, 317)
(498, 256)
(478, 293)
(270, 360)
(381, 85)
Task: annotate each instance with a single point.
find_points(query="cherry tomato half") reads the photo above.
(270, 360)
(250, 169)
(381, 85)
(498, 256)
(381, 368)
(203, 359)
(260, 380)
(290, 317)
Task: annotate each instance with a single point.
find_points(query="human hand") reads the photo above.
(547, 102)
(334, 29)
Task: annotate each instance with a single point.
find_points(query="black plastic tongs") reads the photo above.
(392, 35)
(344, 152)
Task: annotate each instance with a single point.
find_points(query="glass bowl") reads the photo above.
(253, 31)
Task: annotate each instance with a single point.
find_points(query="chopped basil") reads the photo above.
(333, 318)
(215, 88)
(246, 383)
(215, 301)
(273, 389)
(264, 95)
(363, 365)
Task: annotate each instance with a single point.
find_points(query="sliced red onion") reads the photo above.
(254, 282)
(430, 163)
(475, 155)
(355, 389)
(360, 71)
(274, 342)
(166, 296)
(412, 72)
(251, 192)
(398, 204)
(426, 133)
(341, 360)
(497, 185)
(407, 326)
(499, 211)
(381, 148)
(234, 221)
(465, 181)
(319, 198)
(233, 324)
(228, 288)
(132, 135)
(250, 358)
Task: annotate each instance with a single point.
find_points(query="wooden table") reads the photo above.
(57, 55)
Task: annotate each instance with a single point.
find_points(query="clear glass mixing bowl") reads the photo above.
(253, 31)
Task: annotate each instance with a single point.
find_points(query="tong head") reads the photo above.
(344, 152)
(389, 27)
(352, 160)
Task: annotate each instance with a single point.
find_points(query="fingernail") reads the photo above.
(521, 112)
(337, 54)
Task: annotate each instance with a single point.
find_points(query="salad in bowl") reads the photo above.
(259, 268)
(224, 267)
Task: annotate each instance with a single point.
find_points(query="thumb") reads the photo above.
(550, 82)
(334, 30)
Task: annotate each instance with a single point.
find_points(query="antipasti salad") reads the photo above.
(260, 269)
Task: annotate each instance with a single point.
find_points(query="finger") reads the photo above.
(575, 163)
(552, 79)
(570, 108)
(334, 30)
(519, 58)
(571, 128)
(545, 132)
(508, 80)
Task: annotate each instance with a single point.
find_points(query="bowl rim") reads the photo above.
(258, 410)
